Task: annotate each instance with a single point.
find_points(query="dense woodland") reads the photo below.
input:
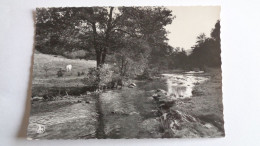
(132, 39)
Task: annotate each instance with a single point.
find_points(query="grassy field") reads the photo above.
(54, 63)
(67, 118)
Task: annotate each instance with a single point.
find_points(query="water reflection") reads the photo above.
(180, 86)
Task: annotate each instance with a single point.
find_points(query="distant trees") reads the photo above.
(55, 30)
(132, 38)
(207, 51)
(177, 58)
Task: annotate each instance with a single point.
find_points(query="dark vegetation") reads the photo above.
(130, 34)
(132, 40)
(205, 53)
(128, 39)
(129, 44)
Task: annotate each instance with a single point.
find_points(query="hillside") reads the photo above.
(54, 63)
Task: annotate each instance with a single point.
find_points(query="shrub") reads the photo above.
(81, 54)
(146, 75)
(92, 77)
(106, 74)
(46, 68)
(60, 73)
(99, 76)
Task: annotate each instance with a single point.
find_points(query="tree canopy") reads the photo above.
(133, 38)
(103, 30)
(206, 51)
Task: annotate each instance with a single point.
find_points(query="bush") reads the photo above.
(106, 74)
(92, 77)
(60, 73)
(81, 54)
(148, 74)
(99, 76)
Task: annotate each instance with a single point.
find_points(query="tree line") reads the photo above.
(205, 53)
(123, 35)
(132, 38)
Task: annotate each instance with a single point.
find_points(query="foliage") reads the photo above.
(131, 38)
(132, 59)
(60, 73)
(46, 68)
(207, 51)
(101, 30)
(177, 58)
(99, 76)
(146, 75)
(80, 54)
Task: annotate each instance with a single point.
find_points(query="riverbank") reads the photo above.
(67, 117)
(134, 113)
(206, 102)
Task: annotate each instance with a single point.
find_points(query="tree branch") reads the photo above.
(132, 35)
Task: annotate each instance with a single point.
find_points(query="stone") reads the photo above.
(130, 86)
(133, 84)
(37, 98)
(161, 91)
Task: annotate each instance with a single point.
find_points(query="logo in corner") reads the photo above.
(40, 129)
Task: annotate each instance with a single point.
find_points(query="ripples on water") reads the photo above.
(180, 86)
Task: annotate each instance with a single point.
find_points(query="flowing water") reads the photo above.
(180, 86)
(120, 113)
(129, 113)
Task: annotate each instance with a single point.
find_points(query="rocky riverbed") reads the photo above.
(169, 107)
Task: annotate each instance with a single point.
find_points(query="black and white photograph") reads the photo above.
(126, 73)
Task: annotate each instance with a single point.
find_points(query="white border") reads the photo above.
(240, 57)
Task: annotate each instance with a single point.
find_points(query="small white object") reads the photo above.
(133, 84)
(164, 116)
(69, 68)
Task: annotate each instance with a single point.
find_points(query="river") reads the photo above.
(132, 113)
(124, 113)
(180, 86)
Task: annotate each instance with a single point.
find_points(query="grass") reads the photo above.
(41, 107)
(159, 83)
(206, 102)
(63, 119)
(54, 63)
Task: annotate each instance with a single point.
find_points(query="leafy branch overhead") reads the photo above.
(101, 30)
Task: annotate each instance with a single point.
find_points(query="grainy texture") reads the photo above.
(106, 72)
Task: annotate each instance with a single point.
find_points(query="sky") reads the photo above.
(189, 23)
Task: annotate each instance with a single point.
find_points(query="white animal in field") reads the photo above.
(68, 68)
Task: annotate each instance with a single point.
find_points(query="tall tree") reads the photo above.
(110, 30)
(105, 30)
(207, 51)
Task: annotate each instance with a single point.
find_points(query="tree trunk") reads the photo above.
(103, 56)
(98, 58)
(98, 53)
(122, 66)
(108, 31)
